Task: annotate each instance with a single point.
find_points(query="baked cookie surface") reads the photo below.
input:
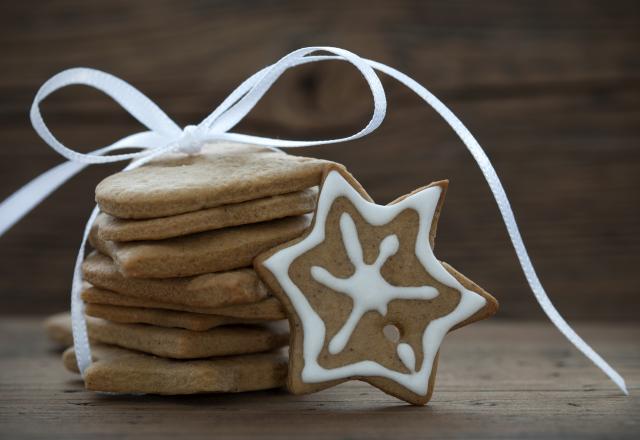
(221, 174)
(118, 370)
(162, 317)
(178, 343)
(205, 252)
(365, 295)
(251, 211)
(210, 290)
(268, 309)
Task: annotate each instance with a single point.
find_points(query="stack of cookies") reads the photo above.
(172, 302)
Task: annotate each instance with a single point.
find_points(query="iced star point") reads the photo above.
(370, 291)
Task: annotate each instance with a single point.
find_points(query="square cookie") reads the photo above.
(211, 290)
(185, 344)
(269, 309)
(205, 252)
(251, 211)
(223, 173)
(117, 370)
(162, 318)
(58, 329)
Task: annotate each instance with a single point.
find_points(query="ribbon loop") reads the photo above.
(130, 98)
(165, 135)
(264, 79)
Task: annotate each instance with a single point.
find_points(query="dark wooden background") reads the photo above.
(551, 90)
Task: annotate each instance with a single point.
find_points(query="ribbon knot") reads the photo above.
(191, 140)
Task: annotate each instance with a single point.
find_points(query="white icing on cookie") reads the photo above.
(366, 287)
(367, 281)
(407, 356)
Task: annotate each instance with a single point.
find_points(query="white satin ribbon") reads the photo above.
(164, 135)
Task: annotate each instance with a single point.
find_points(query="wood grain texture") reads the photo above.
(551, 90)
(495, 380)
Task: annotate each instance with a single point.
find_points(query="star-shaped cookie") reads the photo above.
(365, 295)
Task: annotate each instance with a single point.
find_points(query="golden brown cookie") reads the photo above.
(186, 344)
(220, 289)
(162, 318)
(118, 370)
(365, 295)
(269, 309)
(252, 211)
(205, 252)
(58, 329)
(222, 174)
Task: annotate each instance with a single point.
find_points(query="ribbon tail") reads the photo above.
(78, 320)
(81, 344)
(21, 202)
(509, 220)
(534, 282)
(29, 196)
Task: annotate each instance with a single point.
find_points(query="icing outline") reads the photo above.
(424, 202)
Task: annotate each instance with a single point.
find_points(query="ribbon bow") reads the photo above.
(164, 135)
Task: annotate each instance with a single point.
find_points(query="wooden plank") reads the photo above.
(495, 380)
(551, 89)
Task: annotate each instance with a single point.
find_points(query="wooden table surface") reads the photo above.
(496, 379)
